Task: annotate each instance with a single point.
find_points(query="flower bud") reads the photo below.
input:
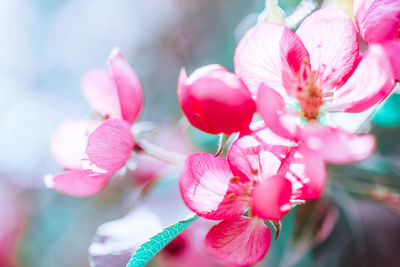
(215, 100)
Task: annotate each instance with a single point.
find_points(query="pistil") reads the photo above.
(308, 93)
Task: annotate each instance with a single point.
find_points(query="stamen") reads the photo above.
(246, 191)
(231, 196)
(308, 93)
(234, 180)
(244, 198)
(254, 171)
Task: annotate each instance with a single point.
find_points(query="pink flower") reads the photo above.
(94, 150)
(315, 71)
(215, 100)
(378, 21)
(223, 189)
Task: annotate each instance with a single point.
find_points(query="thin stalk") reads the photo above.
(160, 153)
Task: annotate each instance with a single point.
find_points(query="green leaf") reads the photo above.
(149, 249)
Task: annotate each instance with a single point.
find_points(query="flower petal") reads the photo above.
(205, 187)
(269, 53)
(271, 198)
(360, 7)
(272, 109)
(392, 48)
(77, 183)
(130, 90)
(331, 40)
(378, 20)
(306, 170)
(257, 156)
(68, 143)
(181, 83)
(240, 241)
(101, 93)
(109, 147)
(371, 82)
(336, 145)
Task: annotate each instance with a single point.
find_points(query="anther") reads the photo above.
(231, 196)
(254, 171)
(234, 180)
(246, 191)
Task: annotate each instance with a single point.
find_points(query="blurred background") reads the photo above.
(48, 45)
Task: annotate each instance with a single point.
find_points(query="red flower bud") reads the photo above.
(215, 100)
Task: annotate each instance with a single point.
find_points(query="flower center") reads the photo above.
(308, 92)
(245, 195)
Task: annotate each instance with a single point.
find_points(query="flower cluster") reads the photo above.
(295, 82)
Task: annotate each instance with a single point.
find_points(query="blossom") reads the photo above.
(223, 189)
(215, 100)
(318, 68)
(298, 78)
(378, 22)
(94, 150)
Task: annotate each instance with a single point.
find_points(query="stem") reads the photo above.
(160, 153)
(223, 140)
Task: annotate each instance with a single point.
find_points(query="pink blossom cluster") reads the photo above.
(278, 158)
(292, 80)
(93, 150)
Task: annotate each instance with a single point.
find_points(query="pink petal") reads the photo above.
(272, 109)
(181, 83)
(68, 142)
(306, 170)
(257, 156)
(331, 40)
(269, 53)
(378, 20)
(360, 7)
(216, 101)
(392, 48)
(371, 82)
(77, 183)
(205, 187)
(241, 241)
(109, 147)
(101, 93)
(130, 90)
(337, 146)
(271, 198)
